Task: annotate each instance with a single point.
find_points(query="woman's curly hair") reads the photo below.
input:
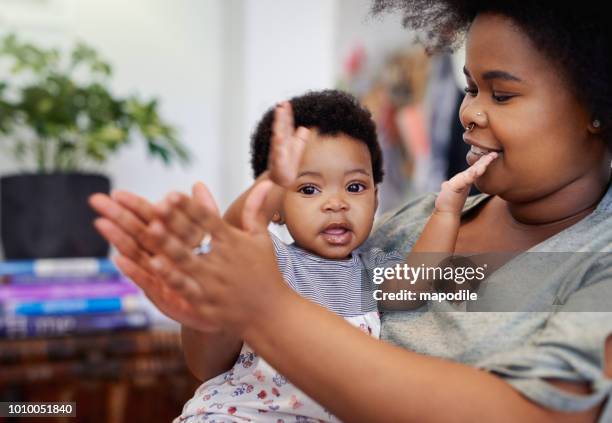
(331, 112)
(576, 36)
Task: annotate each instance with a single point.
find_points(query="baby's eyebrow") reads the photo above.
(360, 170)
(308, 173)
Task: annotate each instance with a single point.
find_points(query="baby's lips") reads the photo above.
(337, 228)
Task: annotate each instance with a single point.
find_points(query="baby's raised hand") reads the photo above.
(287, 146)
(454, 192)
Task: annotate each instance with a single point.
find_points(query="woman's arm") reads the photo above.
(362, 379)
(354, 376)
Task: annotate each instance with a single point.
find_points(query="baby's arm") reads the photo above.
(286, 149)
(440, 232)
(439, 236)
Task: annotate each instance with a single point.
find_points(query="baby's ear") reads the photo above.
(277, 218)
(376, 198)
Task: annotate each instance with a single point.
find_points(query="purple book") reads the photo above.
(64, 289)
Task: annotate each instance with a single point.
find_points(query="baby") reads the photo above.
(325, 175)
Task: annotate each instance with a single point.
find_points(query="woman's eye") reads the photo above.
(308, 190)
(501, 98)
(355, 187)
(470, 91)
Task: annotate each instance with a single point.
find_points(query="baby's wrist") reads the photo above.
(446, 213)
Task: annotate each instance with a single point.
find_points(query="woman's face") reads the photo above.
(521, 106)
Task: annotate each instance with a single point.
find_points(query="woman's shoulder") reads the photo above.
(398, 229)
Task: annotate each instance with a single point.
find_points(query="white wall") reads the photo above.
(287, 48)
(169, 49)
(216, 65)
(163, 48)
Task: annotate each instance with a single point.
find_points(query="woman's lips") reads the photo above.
(477, 152)
(336, 235)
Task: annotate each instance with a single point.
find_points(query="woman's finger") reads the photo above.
(175, 279)
(124, 243)
(134, 272)
(164, 242)
(180, 224)
(120, 215)
(136, 204)
(163, 297)
(206, 217)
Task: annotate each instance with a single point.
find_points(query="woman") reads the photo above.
(538, 91)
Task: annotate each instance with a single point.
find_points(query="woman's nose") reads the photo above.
(472, 114)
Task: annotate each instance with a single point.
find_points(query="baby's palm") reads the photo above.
(287, 147)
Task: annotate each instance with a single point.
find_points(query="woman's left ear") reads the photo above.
(595, 126)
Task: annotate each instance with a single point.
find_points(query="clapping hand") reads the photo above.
(155, 245)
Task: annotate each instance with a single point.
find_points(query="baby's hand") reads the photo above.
(287, 146)
(454, 192)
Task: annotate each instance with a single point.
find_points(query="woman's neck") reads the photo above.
(565, 206)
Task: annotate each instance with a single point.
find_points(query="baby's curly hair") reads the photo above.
(331, 112)
(577, 37)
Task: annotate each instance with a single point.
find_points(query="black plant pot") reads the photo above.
(47, 215)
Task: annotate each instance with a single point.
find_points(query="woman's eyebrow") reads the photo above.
(495, 74)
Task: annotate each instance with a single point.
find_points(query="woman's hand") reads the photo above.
(206, 292)
(286, 147)
(124, 222)
(218, 284)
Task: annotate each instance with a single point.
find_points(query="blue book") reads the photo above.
(73, 306)
(32, 326)
(58, 267)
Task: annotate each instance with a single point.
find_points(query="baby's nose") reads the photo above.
(335, 204)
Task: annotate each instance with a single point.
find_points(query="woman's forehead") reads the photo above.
(495, 43)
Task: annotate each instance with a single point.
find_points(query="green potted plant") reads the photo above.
(59, 119)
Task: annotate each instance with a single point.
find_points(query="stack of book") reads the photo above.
(58, 297)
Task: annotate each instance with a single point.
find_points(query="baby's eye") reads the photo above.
(308, 190)
(355, 187)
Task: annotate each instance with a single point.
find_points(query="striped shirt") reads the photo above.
(342, 286)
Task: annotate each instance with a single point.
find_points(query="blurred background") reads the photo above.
(150, 96)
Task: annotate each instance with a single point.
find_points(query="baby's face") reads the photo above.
(330, 208)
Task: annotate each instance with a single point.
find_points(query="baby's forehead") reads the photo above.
(335, 153)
